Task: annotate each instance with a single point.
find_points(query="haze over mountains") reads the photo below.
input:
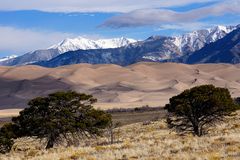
(123, 51)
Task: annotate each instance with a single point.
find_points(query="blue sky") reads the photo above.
(28, 25)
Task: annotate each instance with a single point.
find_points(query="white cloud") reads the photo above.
(152, 16)
(92, 5)
(19, 41)
(185, 26)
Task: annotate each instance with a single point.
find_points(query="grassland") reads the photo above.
(137, 141)
(136, 115)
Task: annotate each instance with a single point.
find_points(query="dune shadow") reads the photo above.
(17, 93)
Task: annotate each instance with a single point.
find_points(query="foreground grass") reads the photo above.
(138, 141)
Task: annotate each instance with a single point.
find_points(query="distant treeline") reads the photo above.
(136, 109)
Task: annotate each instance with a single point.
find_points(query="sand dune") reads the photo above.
(114, 86)
(9, 112)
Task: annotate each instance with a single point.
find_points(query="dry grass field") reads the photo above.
(147, 142)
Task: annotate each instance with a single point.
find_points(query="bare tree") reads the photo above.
(112, 133)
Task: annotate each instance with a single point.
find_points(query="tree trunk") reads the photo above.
(111, 134)
(201, 130)
(50, 142)
(196, 131)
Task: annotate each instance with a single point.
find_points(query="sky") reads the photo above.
(27, 25)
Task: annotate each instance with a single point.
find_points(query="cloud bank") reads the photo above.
(92, 5)
(19, 41)
(142, 17)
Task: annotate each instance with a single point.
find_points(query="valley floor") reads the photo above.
(148, 142)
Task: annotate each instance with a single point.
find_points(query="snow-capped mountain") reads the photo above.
(85, 44)
(225, 50)
(7, 58)
(189, 42)
(66, 45)
(196, 40)
(136, 52)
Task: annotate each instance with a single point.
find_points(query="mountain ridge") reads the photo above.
(65, 46)
(7, 58)
(225, 50)
(85, 44)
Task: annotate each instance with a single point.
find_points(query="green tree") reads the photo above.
(7, 134)
(194, 110)
(61, 114)
(237, 101)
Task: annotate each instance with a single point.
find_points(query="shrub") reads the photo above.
(196, 109)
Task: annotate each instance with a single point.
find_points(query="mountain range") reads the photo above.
(65, 46)
(187, 48)
(153, 49)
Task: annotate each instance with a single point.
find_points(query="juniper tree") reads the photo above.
(61, 114)
(194, 110)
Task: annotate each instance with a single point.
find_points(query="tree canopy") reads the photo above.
(194, 110)
(61, 114)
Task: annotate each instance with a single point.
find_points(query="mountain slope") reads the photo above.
(152, 49)
(85, 44)
(65, 46)
(31, 57)
(7, 58)
(194, 41)
(225, 50)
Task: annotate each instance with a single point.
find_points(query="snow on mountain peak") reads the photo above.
(195, 40)
(226, 29)
(85, 44)
(7, 58)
